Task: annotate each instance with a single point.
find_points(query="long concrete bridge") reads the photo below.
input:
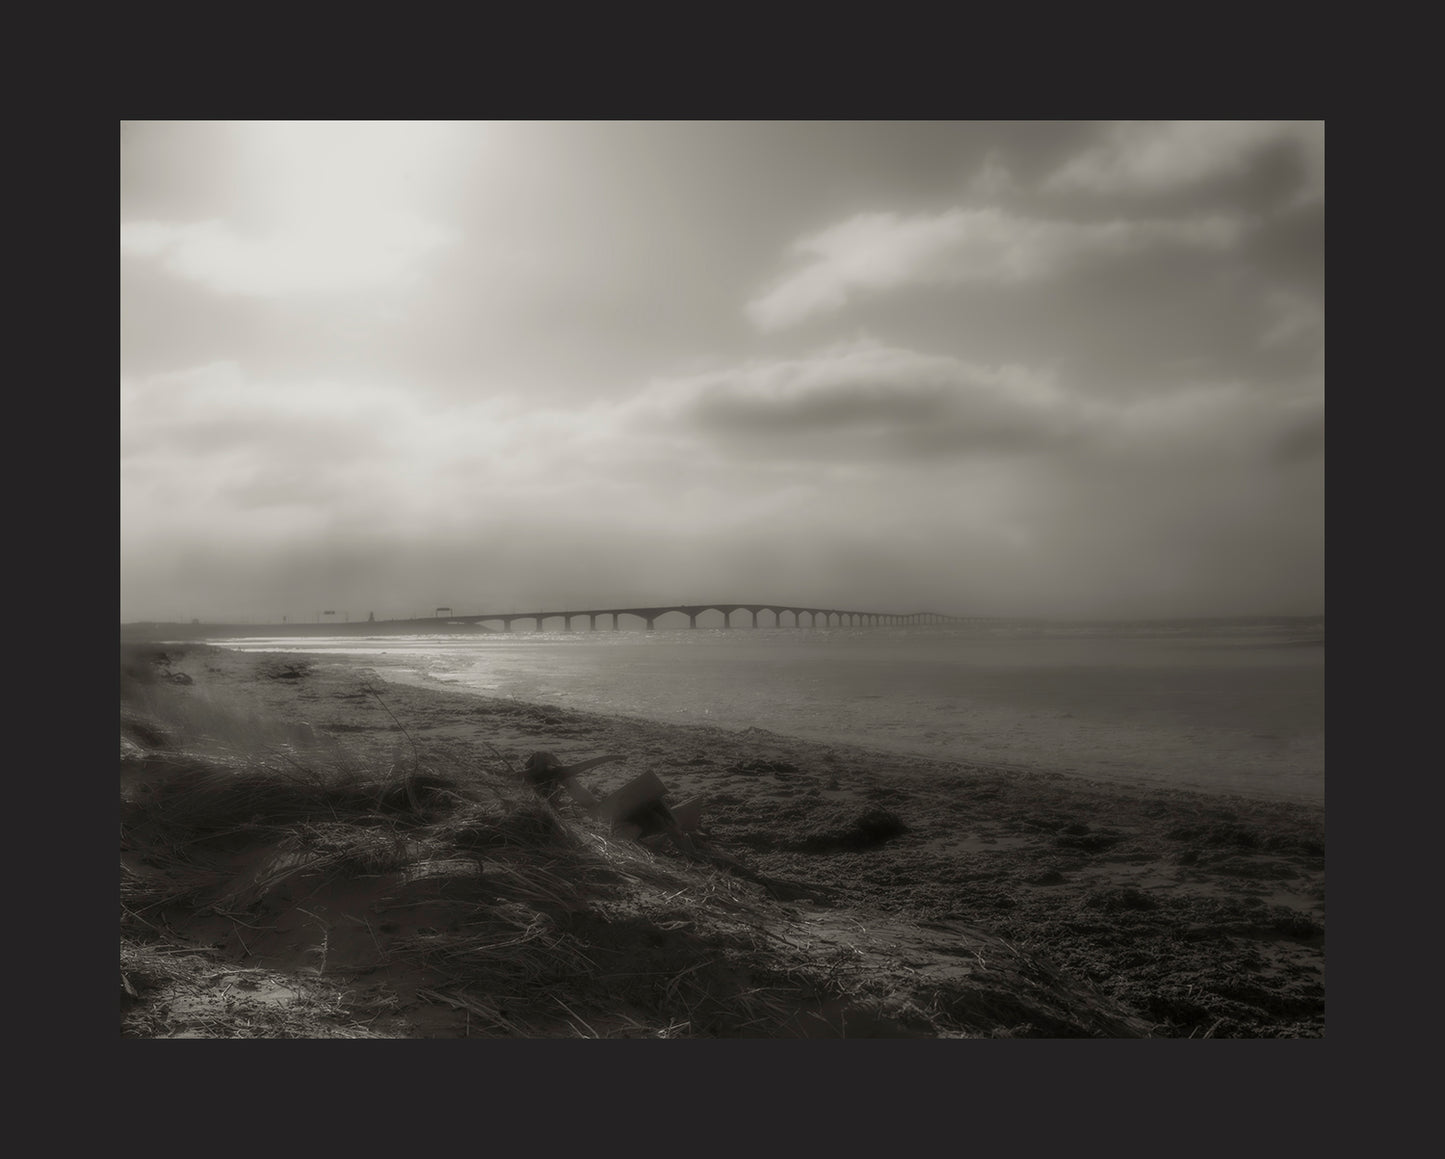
(830, 617)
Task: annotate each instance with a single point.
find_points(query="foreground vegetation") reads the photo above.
(307, 852)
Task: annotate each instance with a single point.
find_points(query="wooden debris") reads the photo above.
(637, 811)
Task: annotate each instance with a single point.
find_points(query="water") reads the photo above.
(1225, 707)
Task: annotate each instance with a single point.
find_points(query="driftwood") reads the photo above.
(638, 811)
(549, 776)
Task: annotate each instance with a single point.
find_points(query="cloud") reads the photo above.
(1152, 157)
(875, 252)
(808, 477)
(212, 446)
(214, 451)
(994, 179)
(1292, 318)
(341, 253)
(863, 401)
(1302, 441)
(867, 409)
(222, 441)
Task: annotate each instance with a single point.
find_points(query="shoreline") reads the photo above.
(1204, 727)
(1201, 913)
(880, 753)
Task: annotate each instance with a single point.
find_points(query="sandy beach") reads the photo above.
(883, 895)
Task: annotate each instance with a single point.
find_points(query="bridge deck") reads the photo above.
(649, 615)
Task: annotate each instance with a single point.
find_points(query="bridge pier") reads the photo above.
(727, 619)
(755, 619)
(692, 620)
(593, 626)
(614, 621)
(649, 620)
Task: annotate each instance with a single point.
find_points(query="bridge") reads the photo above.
(830, 617)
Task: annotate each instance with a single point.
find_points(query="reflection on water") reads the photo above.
(1228, 707)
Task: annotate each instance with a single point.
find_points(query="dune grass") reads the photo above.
(402, 893)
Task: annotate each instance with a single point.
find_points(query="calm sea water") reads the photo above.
(1221, 707)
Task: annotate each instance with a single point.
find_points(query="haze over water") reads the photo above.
(1233, 707)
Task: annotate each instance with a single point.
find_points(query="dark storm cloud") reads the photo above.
(874, 401)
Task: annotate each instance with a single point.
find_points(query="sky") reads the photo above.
(1071, 369)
